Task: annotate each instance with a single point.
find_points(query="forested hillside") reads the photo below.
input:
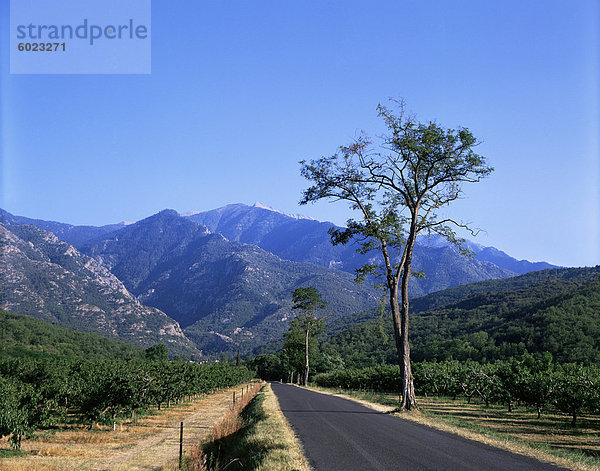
(23, 336)
(556, 311)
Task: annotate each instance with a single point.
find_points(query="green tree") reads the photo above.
(308, 323)
(23, 409)
(398, 190)
(534, 384)
(157, 352)
(293, 351)
(267, 366)
(576, 389)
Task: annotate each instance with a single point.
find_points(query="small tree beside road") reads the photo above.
(308, 324)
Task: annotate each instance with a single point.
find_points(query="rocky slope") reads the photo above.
(49, 279)
(74, 235)
(307, 240)
(225, 294)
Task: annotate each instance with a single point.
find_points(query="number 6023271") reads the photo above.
(42, 47)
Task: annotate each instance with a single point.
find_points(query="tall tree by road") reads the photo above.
(309, 301)
(398, 189)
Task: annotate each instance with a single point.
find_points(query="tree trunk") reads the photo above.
(306, 367)
(574, 421)
(409, 401)
(400, 319)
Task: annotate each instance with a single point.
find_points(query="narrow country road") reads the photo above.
(338, 434)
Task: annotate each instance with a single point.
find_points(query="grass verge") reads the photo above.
(11, 453)
(256, 438)
(550, 439)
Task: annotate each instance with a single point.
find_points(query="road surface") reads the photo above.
(339, 434)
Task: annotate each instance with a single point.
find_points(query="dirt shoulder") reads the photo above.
(151, 443)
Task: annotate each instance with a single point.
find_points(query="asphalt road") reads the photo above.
(338, 434)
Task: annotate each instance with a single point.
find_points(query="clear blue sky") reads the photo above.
(241, 91)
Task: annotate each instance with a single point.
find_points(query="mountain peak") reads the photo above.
(168, 212)
(166, 215)
(260, 205)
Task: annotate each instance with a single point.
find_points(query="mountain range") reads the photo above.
(225, 294)
(225, 276)
(308, 240)
(74, 235)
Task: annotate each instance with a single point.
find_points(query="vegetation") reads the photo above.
(157, 352)
(561, 280)
(38, 393)
(257, 439)
(397, 190)
(571, 388)
(304, 328)
(559, 316)
(24, 336)
(576, 276)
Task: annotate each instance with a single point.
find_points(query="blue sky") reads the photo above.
(241, 91)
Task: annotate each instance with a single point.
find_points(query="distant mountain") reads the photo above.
(74, 235)
(227, 275)
(503, 260)
(556, 311)
(291, 238)
(225, 294)
(302, 239)
(489, 254)
(307, 240)
(46, 278)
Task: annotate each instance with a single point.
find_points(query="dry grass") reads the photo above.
(146, 444)
(259, 438)
(26, 467)
(274, 432)
(230, 423)
(550, 439)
